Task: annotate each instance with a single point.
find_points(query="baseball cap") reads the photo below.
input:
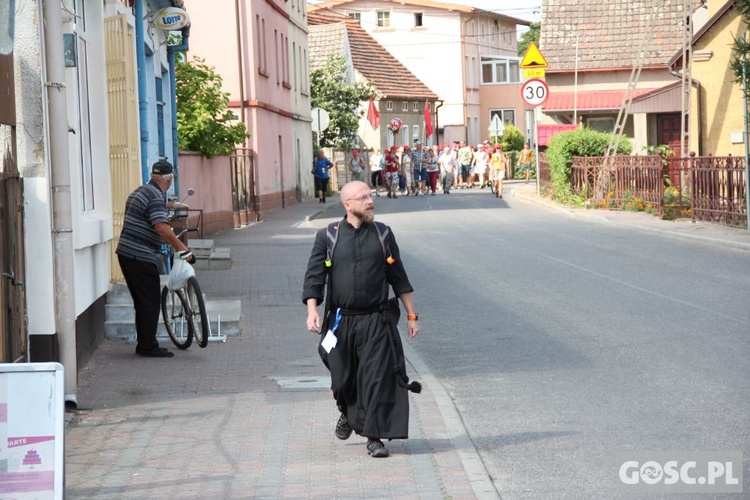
(162, 167)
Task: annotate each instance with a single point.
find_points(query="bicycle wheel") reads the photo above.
(174, 308)
(198, 316)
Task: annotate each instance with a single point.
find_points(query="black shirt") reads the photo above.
(360, 275)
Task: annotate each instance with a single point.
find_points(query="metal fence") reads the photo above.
(623, 182)
(716, 188)
(709, 188)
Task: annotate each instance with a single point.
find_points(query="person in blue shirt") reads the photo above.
(321, 164)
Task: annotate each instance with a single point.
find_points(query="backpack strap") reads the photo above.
(383, 233)
(332, 236)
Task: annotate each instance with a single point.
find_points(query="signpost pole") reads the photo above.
(537, 110)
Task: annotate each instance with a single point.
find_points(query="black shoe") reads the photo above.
(376, 448)
(389, 195)
(343, 429)
(156, 352)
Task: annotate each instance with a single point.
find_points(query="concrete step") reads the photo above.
(201, 248)
(120, 315)
(220, 258)
(223, 315)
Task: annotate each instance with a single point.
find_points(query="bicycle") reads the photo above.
(184, 310)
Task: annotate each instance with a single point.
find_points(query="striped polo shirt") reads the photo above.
(146, 206)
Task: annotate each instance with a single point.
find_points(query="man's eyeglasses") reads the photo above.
(361, 199)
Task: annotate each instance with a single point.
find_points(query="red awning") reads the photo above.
(547, 131)
(600, 100)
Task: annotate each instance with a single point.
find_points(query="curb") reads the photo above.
(476, 472)
(727, 243)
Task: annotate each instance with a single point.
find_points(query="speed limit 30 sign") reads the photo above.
(534, 92)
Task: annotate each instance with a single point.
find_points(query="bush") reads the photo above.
(582, 142)
(512, 139)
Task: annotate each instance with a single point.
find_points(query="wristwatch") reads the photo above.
(412, 317)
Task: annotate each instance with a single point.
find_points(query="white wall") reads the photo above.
(432, 53)
(92, 230)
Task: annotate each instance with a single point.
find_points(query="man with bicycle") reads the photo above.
(144, 229)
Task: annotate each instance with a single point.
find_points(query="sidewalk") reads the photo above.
(704, 232)
(253, 417)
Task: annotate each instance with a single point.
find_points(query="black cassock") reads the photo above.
(367, 363)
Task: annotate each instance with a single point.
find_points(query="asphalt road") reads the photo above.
(564, 342)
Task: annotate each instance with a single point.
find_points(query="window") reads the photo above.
(473, 73)
(415, 131)
(497, 69)
(357, 16)
(301, 62)
(265, 49)
(404, 106)
(389, 105)
(276, 49)
(384, 18)
(507, 116)
(160, 116)
(415, 106)
(405, 136)
(261, 41)
(84, 126)
(294, 62)
(305, 83)
(418, 20)
(285, 60)
(601, 124)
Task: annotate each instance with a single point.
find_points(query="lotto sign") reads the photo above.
(534, 92)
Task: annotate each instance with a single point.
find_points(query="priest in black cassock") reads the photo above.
(355, 261)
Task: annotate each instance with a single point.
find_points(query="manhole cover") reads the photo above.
(312, 383)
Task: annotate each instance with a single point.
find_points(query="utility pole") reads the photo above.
(687, 81)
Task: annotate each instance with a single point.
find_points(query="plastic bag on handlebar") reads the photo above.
(179, 275)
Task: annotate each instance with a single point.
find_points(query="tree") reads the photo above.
(331, 90)
(204, 121)
(740, 61)
(532, 35)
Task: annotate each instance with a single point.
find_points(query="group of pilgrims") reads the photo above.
(424, 170)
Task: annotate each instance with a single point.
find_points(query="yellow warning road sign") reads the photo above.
(533, 58)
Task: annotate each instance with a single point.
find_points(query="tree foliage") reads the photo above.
(532, 35)
(582, 142)
(331, 90)
(204, 121)
(512, 138)
(740, 61)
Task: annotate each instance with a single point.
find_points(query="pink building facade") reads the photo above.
(259, 47)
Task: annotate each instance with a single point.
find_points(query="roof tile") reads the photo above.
(609, 32)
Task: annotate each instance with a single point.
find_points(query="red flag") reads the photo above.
(372, 115)
(428, 129)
